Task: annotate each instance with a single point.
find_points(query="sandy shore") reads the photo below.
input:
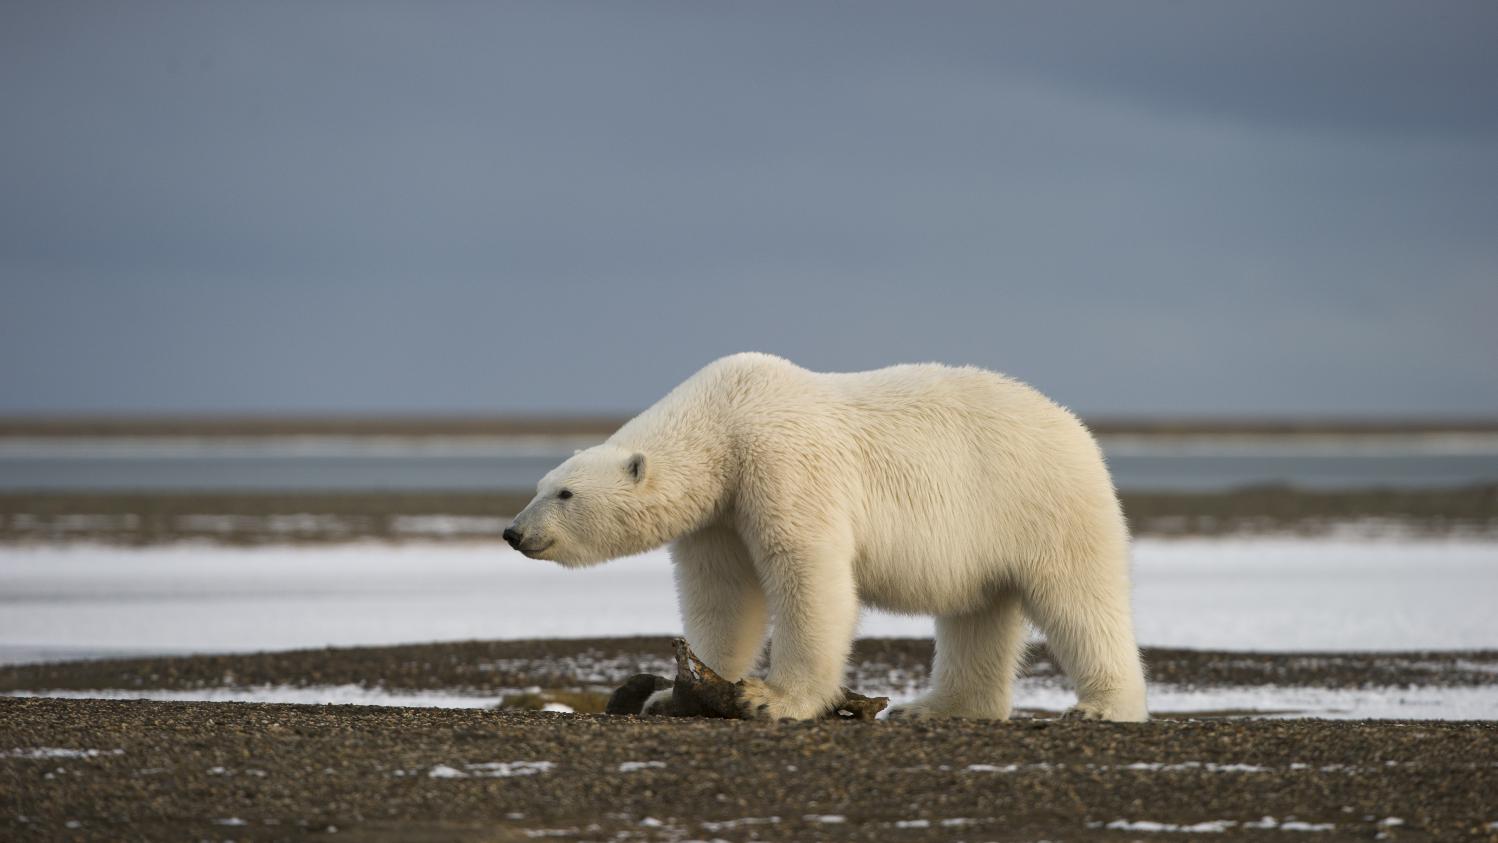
(94, 769)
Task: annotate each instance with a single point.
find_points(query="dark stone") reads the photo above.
(630, 697)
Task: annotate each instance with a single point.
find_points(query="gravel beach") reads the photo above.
(118, 770)
(93, 769)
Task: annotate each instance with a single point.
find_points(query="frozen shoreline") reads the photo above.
(1166, 701)
(1233, 593)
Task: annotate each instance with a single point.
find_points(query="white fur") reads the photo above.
(794, 496)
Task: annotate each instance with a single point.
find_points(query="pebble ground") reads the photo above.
(230, 771)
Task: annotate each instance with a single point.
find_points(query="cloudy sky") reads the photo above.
(1266, 208)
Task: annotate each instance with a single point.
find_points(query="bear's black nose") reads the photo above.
(514, 537)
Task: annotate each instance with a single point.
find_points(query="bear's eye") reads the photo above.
(564, 494)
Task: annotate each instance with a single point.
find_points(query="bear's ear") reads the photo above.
(636, 467)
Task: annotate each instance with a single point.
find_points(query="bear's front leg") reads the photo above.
(722, 604)
(814, 606)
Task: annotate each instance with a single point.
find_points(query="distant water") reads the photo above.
(516, 463)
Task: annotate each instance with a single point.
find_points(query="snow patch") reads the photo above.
(1209, 827)
(226, 771)
(1289, 825)
(1402, 703)
(1156, 766)
(1212, 826)
(1376, 703)
(447, 525)
(55, 752)
(491, 770)
(724, 825)
(315, 695)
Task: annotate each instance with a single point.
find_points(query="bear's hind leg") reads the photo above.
(1090, 631)
(977, 656)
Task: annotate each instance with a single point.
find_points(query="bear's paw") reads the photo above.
(919, 709)
(1085, 711)
(936, 706)
(758, 700)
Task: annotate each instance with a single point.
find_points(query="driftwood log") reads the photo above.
(699, 691)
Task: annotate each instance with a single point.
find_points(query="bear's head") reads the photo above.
(600, 504)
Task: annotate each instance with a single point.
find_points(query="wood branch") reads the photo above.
(699, 691)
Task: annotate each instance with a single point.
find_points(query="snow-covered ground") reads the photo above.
(1270, 594)
(1475, 703)
(1224, 593)
(1281, 594)
(73, 599)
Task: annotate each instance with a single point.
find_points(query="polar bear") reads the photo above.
(791, 497)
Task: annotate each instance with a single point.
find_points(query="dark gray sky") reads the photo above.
(1142, 208)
